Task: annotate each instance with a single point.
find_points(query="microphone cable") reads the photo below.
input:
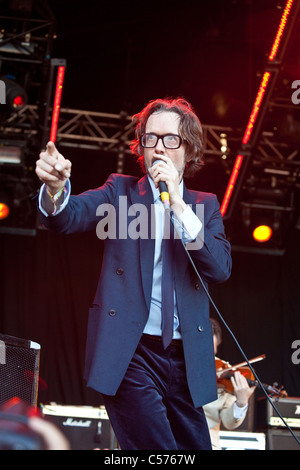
(234, 338)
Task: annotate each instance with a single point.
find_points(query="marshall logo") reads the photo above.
(81, 423)
(297, 410)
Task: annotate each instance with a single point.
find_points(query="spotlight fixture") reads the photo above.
(262, 233)
(17, 209)
(5, 204)
(11, 154)
(4, 210)
(15, 95)
(224, 145)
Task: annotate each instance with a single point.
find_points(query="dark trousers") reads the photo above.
(153, 408)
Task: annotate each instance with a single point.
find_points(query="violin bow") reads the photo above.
(242, 364)
(251, 361)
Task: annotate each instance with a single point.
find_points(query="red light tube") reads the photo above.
(247, 134)
(256, 106)
(57, 100)
(231, 184)
(280, 30)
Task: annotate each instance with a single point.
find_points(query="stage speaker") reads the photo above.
(85, 427)
(19, 369)
(281, 439)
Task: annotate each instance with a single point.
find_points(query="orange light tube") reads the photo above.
(256, 107)
(57, 100)
(231, 183)
(280, 30)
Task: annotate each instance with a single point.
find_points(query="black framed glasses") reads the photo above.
(170, 141)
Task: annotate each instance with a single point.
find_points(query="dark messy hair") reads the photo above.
(216, 330)
(190, 130)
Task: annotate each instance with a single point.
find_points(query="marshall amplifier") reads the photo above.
(289, 408)
(280, 439)
(85, 427)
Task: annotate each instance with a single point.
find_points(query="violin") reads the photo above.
(225, 371)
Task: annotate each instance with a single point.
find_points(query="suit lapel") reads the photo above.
(181, 258)
(189, 197)
(141, 194)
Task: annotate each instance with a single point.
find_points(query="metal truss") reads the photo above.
(98, 130)
(274, 152)
(114, 132)
(276, 155)
(274, 149)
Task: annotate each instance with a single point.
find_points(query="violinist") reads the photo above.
(229, 409)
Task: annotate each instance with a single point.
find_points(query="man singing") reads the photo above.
(149, 346)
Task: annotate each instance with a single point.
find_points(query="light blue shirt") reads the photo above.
(189, 226)
(43, 194)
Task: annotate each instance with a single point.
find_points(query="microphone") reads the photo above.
(163, 189)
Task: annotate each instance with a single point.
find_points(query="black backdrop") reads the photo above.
(48, 283)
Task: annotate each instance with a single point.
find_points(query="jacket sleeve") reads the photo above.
(80, 213)
(211, 251)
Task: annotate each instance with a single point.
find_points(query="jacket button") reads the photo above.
(197, 286)
(200, 328)
(112, 313)
(120, 271)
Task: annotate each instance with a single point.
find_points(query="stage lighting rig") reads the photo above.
(263, 185)
(267, 214)
(27, 33)
(18, 186)
(287, 26)
(17, 208)
(26, 43)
